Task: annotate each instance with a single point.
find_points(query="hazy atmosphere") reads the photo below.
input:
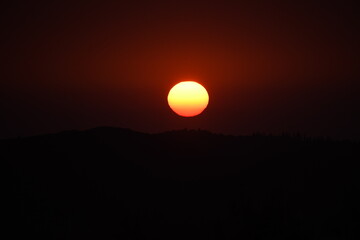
(269, 67)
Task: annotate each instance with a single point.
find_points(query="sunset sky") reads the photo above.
(268, 67)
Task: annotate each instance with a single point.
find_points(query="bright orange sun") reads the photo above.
(188, 98)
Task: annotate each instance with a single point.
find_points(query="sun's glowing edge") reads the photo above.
(188, 98)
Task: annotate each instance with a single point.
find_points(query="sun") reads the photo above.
(188, 98)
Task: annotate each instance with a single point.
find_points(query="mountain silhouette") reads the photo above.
(114, 183)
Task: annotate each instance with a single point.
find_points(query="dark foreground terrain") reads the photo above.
(109, 183)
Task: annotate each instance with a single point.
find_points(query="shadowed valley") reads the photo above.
(112, 183)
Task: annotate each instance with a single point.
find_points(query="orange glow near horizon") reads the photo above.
(188, 98)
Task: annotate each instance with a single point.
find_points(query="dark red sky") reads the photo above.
(269, 67)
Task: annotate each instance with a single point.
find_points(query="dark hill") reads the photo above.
(111, 183)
